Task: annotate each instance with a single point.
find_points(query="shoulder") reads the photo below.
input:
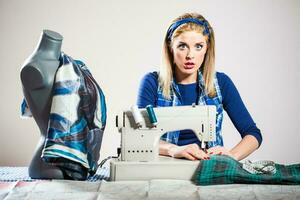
(148, 90)
(151, 76)
(150, 79)
(224, 80)
(226, 85)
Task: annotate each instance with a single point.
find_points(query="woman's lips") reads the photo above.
(189, 65)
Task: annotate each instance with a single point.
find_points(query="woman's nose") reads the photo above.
(189, 55)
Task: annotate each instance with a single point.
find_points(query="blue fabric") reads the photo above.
(178, 23)
(231, 101)
(189, 93)
(77, 118)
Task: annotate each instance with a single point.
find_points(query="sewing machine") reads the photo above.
(140, 159)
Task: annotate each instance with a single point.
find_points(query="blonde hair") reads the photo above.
(208, 66)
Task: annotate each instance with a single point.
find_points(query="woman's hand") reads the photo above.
(190, 151)
(219, 150)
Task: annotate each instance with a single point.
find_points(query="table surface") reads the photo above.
(100, 188)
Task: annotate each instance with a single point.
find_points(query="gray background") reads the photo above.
(257, 45)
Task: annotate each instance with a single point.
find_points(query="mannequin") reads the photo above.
(37, 76)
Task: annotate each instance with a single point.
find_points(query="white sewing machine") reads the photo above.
(140, 158)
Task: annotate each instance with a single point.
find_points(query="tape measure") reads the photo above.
(260, 167)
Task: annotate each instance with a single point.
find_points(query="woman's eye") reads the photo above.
(182, 46)
(199, 46)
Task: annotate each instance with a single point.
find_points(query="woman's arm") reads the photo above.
(241, 118)
(245, 147)
(237, 111)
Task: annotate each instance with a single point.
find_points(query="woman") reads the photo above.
(188, 76)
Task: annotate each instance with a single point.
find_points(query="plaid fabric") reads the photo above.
(226, 170)
(203, 99)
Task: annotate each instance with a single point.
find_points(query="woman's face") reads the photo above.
(188, 50)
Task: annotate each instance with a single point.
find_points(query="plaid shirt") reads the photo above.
(226, 170)
(203, 99)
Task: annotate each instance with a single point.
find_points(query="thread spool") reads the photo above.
(151, 114)
(137, 115)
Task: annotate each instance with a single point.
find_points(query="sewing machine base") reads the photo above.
(163, 168)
